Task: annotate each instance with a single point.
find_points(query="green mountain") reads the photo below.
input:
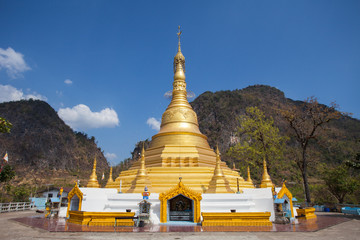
(41, 144)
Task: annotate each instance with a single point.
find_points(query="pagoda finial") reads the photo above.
(179, 36)
(266, 180)
(179, 62)
(93, 182)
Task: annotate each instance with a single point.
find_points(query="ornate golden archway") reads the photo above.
(285, 191)
(74, 192)
(180, 189)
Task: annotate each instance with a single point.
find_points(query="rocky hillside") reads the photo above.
(217, 113)
(40, 141)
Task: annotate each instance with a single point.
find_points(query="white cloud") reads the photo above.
(9, 93)
(81, 117)
(110, 156)
(154, 123)
(13, 62)
(68, 82)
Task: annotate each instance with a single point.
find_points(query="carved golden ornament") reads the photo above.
(75, 191)
(179, 114)
(179, 86)
(183, 190)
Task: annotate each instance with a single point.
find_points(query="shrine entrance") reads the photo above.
(180, 204)
(181, 208)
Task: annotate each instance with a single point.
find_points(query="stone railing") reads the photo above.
(16, 206)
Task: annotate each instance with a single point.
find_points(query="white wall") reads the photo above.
(108, 200)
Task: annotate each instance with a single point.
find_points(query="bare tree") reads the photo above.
(306, 123)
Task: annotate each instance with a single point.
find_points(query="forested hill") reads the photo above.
(218, 113)
(40, 140)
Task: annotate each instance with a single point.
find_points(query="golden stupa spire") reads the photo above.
(179, 59)
(219, 183)
(179, 36)
(179, 116)
(142, 179)
(110, 180)
(93, 182)
(218, 171)
(248, 175)
(142, 170)
(266, 180)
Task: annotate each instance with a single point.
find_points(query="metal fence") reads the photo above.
(16, 206)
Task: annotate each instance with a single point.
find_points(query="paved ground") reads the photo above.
(10, 229)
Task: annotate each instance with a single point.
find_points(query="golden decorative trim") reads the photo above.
(179, 189)
(75, 191)
(182, 133)
(102, 218)
(236, 219)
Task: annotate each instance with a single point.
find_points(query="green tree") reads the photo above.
(7, 173)
(5, 125)
(21, 193)
(340, 182)
(355, 162)
(259, 139)
(306, 123)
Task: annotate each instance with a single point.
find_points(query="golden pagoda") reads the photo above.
(266, 180)
(249, 177)
(110, 180)
(93, 182)
(218, 183)
(179, 149)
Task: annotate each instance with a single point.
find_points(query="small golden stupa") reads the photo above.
(179, 149)
(249, 177)
(266, 180)
(93, 182)
(110, 180)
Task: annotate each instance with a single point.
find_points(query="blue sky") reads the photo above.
(105, 65)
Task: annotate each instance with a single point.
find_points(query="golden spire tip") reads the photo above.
(179, 35)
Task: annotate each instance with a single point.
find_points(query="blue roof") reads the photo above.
(281, 200)
(55, 199)
(294, 199)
